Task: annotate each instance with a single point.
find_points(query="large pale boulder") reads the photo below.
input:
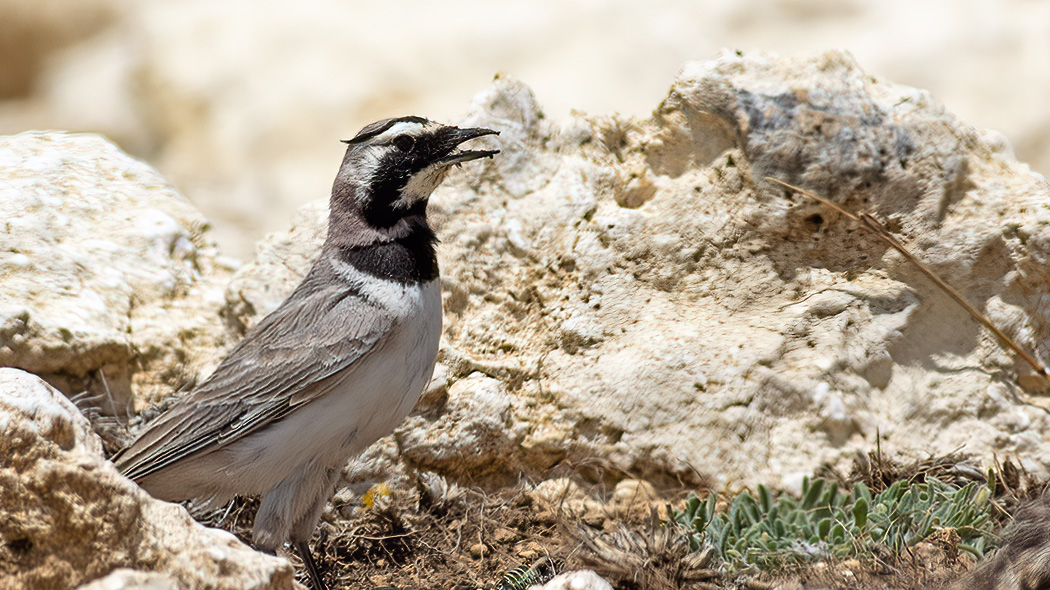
(689, 320)
(109, 280)
(67, 517)
(632, 296)
(622, 296)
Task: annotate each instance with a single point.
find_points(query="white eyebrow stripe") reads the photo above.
(400, 128)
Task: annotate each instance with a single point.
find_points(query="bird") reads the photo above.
(339, 364)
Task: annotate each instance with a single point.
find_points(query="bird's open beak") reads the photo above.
(461, 135)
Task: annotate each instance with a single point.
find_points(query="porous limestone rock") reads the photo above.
(713, 327)
(624, 298)
(563, 496)
(68, 517)
(632, 297)
(575, 580)
(281, 260)
(109, 280)
(472, 432)
(125, 579)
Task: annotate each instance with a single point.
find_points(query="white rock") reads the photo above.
(575, 580)
(125, 579)
(704, 319)
(67, 517)
(107, 273)
(281, 261)
(27, 402)
(471, 435)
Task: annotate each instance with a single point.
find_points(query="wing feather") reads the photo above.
(278, 366)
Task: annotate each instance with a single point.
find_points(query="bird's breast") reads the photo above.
(373, 396)
(380, 390)
(381, 393)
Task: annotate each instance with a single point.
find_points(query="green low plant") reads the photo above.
(767, 531)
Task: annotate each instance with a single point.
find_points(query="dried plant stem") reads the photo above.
(884, 234)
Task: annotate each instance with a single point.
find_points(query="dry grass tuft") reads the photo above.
(657, 557)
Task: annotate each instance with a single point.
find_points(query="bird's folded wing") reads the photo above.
(295, 355)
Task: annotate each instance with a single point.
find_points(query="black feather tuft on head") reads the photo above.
(374, 129)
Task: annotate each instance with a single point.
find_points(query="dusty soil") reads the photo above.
(409, 539)
(442, 535)
(445, 536)
(475, 544)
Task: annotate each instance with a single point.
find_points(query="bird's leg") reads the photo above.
(303, 548)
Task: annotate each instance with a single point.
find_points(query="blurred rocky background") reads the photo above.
(240, 103)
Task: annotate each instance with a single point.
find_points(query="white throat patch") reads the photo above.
(421, 185)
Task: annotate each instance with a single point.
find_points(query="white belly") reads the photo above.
(377, 394)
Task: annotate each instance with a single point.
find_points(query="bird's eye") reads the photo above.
(404, 142)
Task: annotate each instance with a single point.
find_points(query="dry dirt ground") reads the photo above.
(440, 535)
(444, 536)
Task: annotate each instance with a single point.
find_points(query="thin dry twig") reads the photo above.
(880, 231)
